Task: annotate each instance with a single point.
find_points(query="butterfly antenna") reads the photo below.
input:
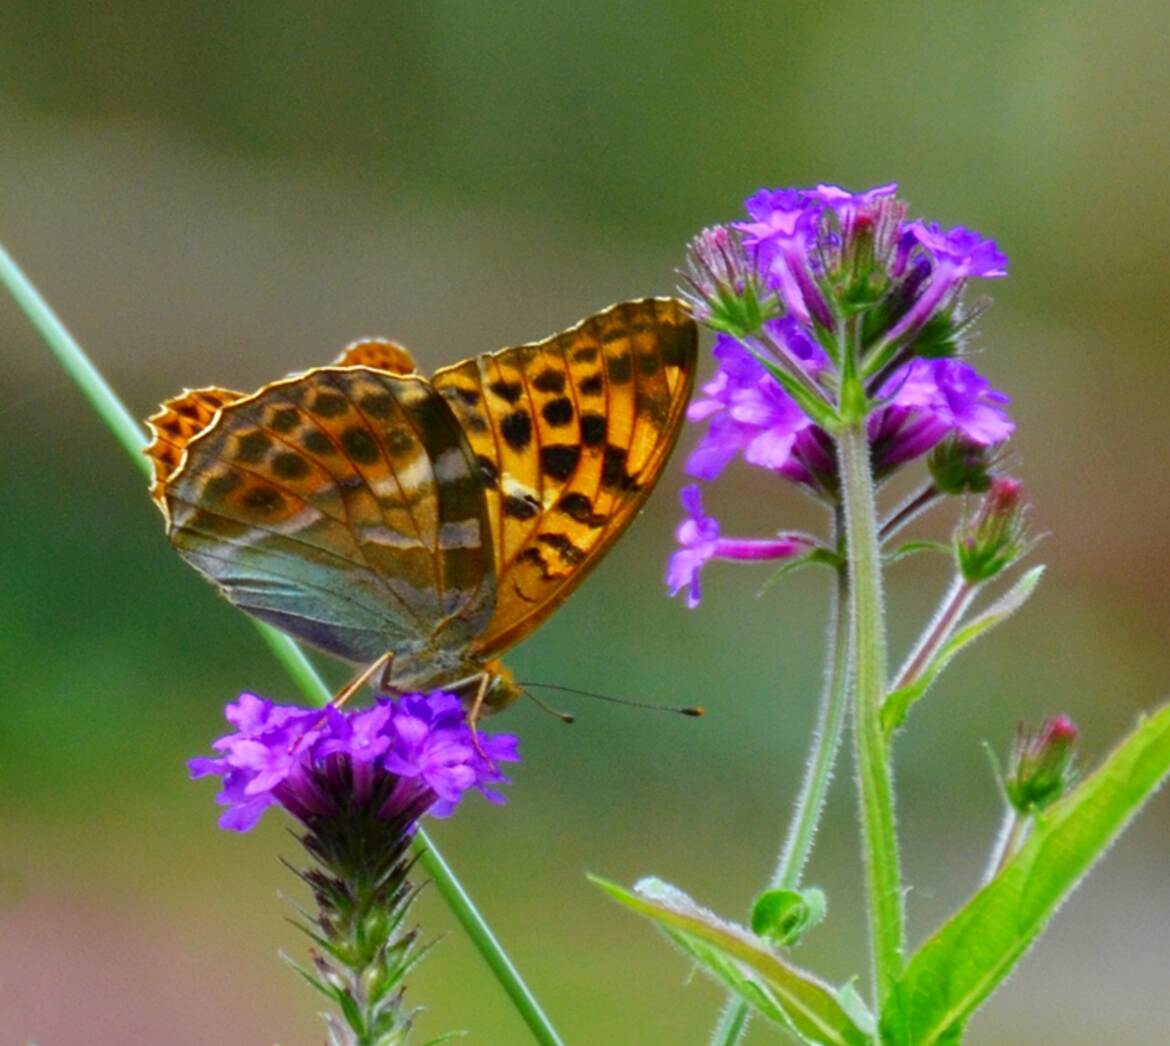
(564, 717)
(688, 710)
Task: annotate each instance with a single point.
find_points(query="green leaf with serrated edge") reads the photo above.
(820, 410)
(963, 963)
(912, 547)
(793, 998)
(897, 703)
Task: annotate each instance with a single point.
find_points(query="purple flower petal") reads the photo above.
(315, 763)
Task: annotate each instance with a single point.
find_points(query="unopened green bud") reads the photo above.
(1041, 768)
(996, 535)
(959, 466)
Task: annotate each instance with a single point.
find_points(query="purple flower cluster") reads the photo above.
(813, 274)
(416, 753)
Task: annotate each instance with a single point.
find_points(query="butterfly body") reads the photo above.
(370, 511)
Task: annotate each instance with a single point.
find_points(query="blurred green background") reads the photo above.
(225, 193)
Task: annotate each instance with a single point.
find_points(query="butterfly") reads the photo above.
(422, 527)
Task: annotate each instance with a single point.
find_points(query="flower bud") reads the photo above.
(961, 466)
(725, 291)
(1041, 768)
(996, 536)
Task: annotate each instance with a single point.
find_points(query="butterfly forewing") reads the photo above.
(344, 506)
(570, 435)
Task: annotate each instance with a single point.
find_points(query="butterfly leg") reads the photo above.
(354, 685)
(351, 688)
(473, 714)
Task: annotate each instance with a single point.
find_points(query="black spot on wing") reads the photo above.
(593, 429)
(468, 397)
(290, 465)
(220, 486)
(558, 412)
(252, 447)
(328, 405)
(550, 381)
(613, 470)
(516, 429)
(618, 368)
(579, 508)
(508, 391)
(559, 460)
(378, 405)
(521, 507)
(360, 445)
(316, 442)
(285, 420)
(569, 553)
(592, 385)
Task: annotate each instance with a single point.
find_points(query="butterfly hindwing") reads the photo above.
(379, 354)
(344, 506)
(570, 435)
(179, 420)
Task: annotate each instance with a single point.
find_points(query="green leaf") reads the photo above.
(963, 963)
(897, 703)
(813, 557)
(811, 402)
(911, 547)
(793, 998)
(785, 916)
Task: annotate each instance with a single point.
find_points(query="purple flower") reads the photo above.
(843, 201)
(961, 250)
(949, 258)
(700, 541)
(930, 400)
(749, 414)
(409, 756)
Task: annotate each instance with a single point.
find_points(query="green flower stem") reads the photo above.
(128, 432)
(950, 612)
(868, 654)
(818, 774)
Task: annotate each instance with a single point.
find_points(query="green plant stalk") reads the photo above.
(130, 435)
(810, 804)
(868, 657)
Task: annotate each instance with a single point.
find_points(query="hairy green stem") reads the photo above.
(810, 804)
(130, 435)
(868, 656)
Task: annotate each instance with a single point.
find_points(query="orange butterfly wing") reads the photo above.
(179, 420)
(570, 434)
